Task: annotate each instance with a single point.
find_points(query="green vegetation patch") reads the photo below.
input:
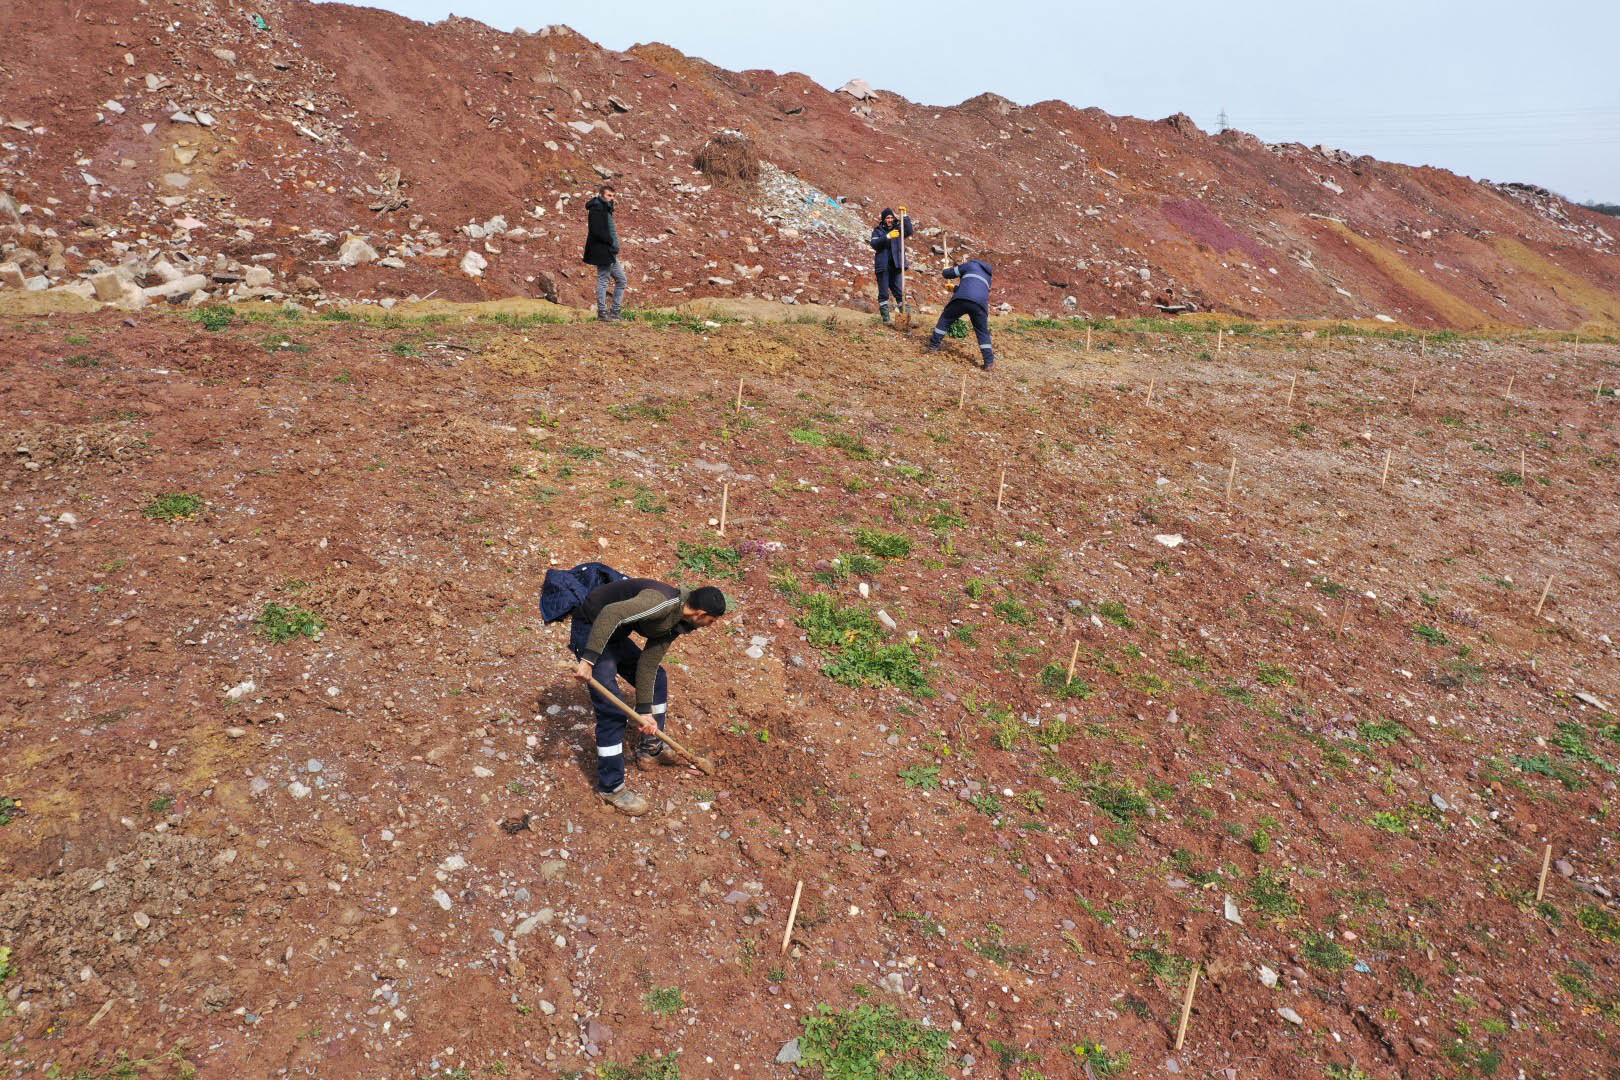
(872, 1043)
(281, 623)
(172, 507)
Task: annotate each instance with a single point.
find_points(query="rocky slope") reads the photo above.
(284, 147)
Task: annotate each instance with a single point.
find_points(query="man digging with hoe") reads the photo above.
(600, 638)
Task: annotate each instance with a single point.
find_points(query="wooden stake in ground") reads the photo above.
(725, 500)
(1423, 344)
(1412, 401)
(1546, 861)
(1231, 478)
(1150, 391)
(1509, 392)
(1382, 480)
(1001, 490)
(739, 393)
(1292, 380)
(793, 913)
(1344, 611)
(1545, 589)
(1088, 341)
(1522, 472)
(1072, 658)
(1220, 339)
(1186, 1007)
(961, 396)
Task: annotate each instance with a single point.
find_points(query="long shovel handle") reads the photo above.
(663, 735)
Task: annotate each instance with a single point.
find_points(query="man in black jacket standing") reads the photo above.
(602, 252)
(888, 243)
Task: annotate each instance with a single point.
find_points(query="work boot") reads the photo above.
(614, 316)
(625, 801)
(602, 315)
(989, 363)
(650, 761)
(883, 310)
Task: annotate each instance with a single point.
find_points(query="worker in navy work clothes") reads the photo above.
(600, 638)
(887, 242)
(972, 298)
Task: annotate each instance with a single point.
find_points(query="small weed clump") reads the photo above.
(1605, 925)
(214, 317)
(665, 1000)
(1430, 634)
(172, 507)
(645, 1067)
(1055, 677)
(1099, 1061)
(925, 777)
(1323, 952)
(1123, 804)
(8, 813)
(1011, 611)
(281, 624)
(1271, 895)
(885, 545)
(708, 560)
(872, 1043)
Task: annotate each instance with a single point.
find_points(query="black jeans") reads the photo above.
(975, 314)
(889, 282)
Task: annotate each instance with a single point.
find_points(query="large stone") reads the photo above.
(473, 264)
(183, 286)
(859, 89)
(165, 271)
(11, 275)
(354, 250)
(257, 277)
(117, 289)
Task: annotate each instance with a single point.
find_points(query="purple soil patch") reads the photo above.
(1195, 219)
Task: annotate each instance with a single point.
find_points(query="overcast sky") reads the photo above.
(1493, 89)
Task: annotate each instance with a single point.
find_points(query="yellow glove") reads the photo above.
(894, 234)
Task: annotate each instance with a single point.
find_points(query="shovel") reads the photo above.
(902, 319)
(703, 764)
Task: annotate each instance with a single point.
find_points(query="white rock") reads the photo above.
(183, 286)
(226, 55)
(1171, 540)
(887, 620)
(754, 652)
(480, 771)
(1290, 1015)
(546, 1007)
(441, 898)
(165, 271)
(257, 277)
(142, 919)
(355, 250)
(859, 89)
(298, 790)
(473, 264)
(453, 863)
(113, 107)
(1268, 976)
(68, 518)
(1232, 914)
(332, 691)
(240, 690)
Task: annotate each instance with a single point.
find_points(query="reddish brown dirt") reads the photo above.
(314, 115)
(410, 483)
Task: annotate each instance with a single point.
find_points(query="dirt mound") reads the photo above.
(322, 150)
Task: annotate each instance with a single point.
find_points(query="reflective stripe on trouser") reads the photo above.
(615, 271)
(621, 656)
(976, 315)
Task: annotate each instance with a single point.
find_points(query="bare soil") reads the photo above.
(1331, 702)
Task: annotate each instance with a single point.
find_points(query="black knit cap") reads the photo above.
(708, 599)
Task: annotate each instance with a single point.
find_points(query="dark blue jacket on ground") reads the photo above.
(974, 276)
(887, 249)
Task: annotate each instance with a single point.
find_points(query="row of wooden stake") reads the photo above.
(1192, 979)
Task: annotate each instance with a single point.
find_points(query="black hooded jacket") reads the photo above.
(887, 249)
(601, 237)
